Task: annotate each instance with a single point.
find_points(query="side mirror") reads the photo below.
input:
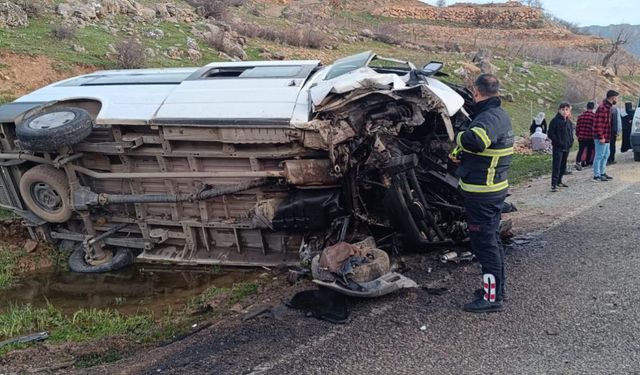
(432, 68)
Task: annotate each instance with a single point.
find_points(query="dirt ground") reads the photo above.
(15, 238)
(539, 209)
(21, 74)
(60, 358)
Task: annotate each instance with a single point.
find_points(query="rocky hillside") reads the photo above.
(509, 15)
(539, 62)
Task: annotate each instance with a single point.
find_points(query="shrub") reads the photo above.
(62, 32)
(300, 37)
(386, 33)
(218, 9)
(130, 54)
(578, 90)
(304, 37)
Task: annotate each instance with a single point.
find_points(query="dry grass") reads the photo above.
(578, 90)
(387, 33)
(305, 36)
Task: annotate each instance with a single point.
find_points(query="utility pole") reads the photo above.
(595, 77)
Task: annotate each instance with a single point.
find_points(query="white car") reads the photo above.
(635, 136)
(247, 163)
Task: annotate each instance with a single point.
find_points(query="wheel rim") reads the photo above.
(46, 197)
(52, 120)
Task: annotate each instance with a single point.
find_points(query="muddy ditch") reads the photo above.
(137, 289)
(86, 314)
(39, 277)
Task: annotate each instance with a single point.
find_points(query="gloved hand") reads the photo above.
(455, 155)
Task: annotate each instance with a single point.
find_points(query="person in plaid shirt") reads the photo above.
(602, 136)
(584, 133)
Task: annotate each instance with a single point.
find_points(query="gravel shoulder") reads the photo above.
(571, 309)
(539, 209)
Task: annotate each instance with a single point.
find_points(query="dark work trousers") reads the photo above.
(559, 165)
(483, 212)
(612, 147)
(586, 152)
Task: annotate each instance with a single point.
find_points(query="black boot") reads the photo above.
(490, 301)
(480, 305)
(479, 293)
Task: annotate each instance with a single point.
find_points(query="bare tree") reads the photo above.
(441, 3)
(621, 39)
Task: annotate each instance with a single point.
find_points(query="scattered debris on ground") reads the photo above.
(322, 304)
(436, 291)
(457, 257)
(40, 336)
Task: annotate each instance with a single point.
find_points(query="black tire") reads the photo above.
(51, 130)
(397, 210)
(636, 156)
(121, 258)
(45, 192)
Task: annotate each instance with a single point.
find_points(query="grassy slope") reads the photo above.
(36, 39)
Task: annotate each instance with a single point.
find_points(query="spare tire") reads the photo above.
(378, 266)
(45, 191)
(51, 130)
(121, 258)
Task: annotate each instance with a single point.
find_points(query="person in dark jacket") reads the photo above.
(602, 136)
(626, 127)
(484, 151)
(584, 133)
(538, 122)
(561, 135)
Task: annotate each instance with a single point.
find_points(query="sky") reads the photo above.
(583, 12)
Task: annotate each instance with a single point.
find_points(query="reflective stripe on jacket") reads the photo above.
(487, 149)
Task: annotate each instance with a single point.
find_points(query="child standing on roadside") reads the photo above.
(561, 135)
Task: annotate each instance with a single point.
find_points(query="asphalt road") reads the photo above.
(573, 308)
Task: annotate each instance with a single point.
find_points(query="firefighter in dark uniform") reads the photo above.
(483, 153)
